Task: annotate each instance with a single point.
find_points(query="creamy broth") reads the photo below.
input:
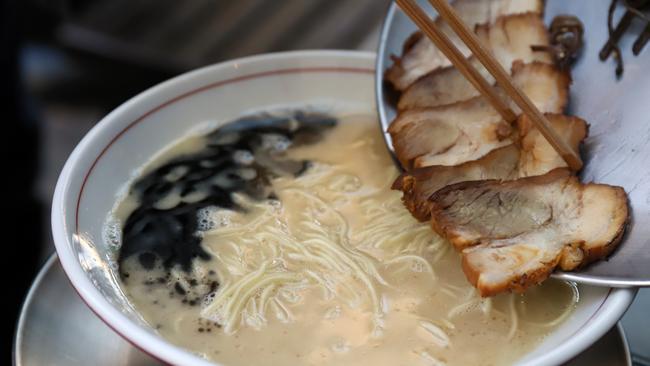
(335, 271)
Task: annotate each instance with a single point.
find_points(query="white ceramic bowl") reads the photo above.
(125, 139)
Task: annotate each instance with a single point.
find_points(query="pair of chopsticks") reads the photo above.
(447, 47)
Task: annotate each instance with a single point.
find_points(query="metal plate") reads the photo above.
(617, 150)
(57, 328)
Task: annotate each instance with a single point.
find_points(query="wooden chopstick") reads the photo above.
(447, 47)
(429, 28)
(445, 11)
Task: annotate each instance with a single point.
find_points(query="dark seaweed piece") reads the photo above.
(239, 157)
(566, 40)
(634, 9)
(643, 39)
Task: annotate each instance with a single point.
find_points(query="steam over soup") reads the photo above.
(277, 241)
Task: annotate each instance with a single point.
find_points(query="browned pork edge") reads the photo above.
(408, 182)
(446, 229)
(395, 72)
(502, 163)
(521, 284)
(565, 260)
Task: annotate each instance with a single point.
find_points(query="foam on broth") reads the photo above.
(333, 270)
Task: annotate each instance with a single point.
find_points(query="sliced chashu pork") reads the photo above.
(513, 234)
(455, 133)
(448, 135)
(509, 39)
(530, 155)
(420, 56)
(419, 184)
(537, 155)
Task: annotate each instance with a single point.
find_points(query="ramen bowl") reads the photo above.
(109, 155)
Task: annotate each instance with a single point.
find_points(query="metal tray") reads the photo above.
(57, 328)
(617, 150)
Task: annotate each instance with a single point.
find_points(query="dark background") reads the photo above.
(65, 64)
